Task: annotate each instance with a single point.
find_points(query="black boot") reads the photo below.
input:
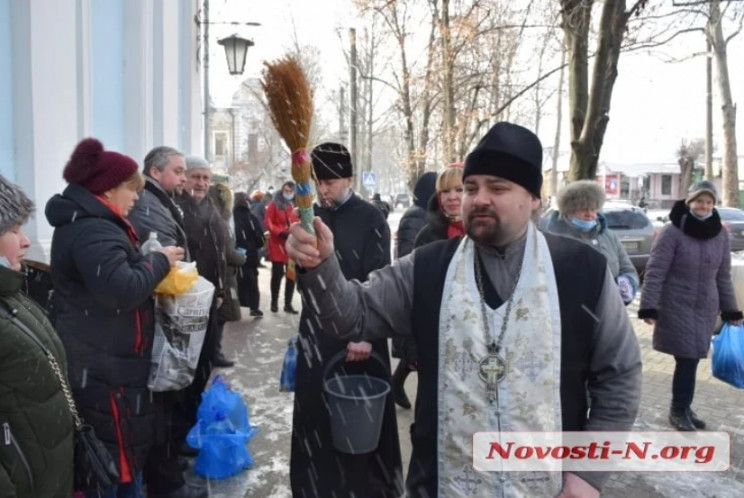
(680, 420)
(274, 306)
(696, 421)
(398, 380)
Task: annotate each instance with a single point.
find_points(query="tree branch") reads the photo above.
(524, 90)
(735, 33)
(644, 46)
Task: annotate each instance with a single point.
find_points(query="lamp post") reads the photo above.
(236, 50)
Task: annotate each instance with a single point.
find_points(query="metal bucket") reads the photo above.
(357, 407)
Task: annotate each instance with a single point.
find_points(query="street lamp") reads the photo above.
(236, 49)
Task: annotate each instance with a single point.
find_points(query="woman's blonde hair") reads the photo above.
(135, 182)
(449, 178)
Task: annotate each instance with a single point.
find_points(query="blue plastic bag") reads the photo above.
(288, 378)
(728, 355)
(221, 433)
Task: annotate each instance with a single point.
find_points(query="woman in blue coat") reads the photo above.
(104, 306)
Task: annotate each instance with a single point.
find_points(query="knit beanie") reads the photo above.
(96, 169)
(511, 152)
(582, 194)
(196, 162)
(331, 161)
(704, 187)
(15, 207)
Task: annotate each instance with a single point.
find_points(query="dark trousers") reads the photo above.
(184, 413)
(218, 339)
(162, 472)
(277, 273)
(683, 383)
(248, 293)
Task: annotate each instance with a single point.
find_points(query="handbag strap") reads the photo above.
(11, 315)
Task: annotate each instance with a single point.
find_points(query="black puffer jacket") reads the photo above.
(103, 291)
(414, 218)
(436, 225)
(35, 420)
(248, 230)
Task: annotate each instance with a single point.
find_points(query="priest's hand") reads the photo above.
(358, 351)
(305, 249)
(576, 487)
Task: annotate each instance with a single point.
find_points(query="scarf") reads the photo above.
(131, 232)
(455, 229)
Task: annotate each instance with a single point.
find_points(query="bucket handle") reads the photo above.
(342, 354)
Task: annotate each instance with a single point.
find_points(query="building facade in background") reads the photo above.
(123, 71)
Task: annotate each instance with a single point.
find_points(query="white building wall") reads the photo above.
(58, 72)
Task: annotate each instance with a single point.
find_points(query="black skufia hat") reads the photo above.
(511, 152)
(331, 161)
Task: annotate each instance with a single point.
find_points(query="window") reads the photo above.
(666, 184)
(625, 219)
(731, 214)
(220, 143)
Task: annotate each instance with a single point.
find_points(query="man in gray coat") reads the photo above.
(156, 211)
(482, 367)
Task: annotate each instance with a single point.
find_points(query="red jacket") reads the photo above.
(277, 222)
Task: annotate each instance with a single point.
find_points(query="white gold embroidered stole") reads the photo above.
(529, 395)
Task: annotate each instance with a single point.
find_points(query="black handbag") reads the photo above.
(94, 468)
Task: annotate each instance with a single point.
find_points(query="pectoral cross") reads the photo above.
(492, 370)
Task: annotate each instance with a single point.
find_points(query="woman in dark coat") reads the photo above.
(444, 217)
(413, 220)
(230, 309)
(248, 238)
(443, 221)
(687, 283)
(35, 420)
(103, 289)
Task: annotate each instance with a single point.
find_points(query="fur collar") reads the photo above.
(698, 229)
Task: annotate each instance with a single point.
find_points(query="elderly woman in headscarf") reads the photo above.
(103, 298)
(687, 284)
(579, 216)
(36, 449)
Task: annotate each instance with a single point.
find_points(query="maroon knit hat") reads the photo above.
(96, 169)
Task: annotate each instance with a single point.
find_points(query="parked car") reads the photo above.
(632, 227)
(635, 231)
(733, 221)
(403, 200)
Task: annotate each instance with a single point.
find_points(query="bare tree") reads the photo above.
(719, 44)
(589, 100)
(715, 12)
(688, 153)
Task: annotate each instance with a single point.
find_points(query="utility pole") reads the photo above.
(342, 114)
(353, 108)
(205, 17)
(708, 111)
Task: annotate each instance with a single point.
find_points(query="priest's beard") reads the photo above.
(489, 231)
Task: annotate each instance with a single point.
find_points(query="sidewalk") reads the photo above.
(258, 347)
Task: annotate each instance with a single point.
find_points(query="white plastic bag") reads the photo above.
(180, 327)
